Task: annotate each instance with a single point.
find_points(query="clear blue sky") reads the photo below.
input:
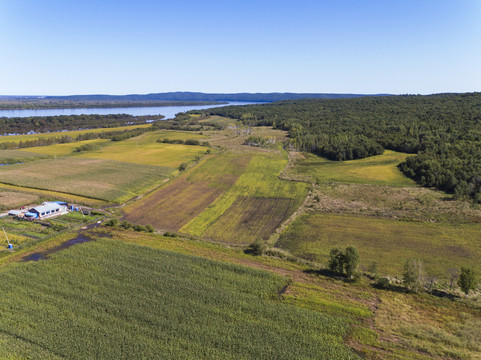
(59, 47)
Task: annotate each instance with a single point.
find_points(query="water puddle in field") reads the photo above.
(43, 255)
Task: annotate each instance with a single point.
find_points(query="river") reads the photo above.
(168, 111)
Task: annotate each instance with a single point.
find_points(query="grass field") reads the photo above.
(16, 156)
(260, 180)
(108, 300)
(410, 203)
(141, 149)
(375, 170)
(63, 149)
(218, 120)
(73, 134)
(385, 241)
(138, 151)
(100, 179)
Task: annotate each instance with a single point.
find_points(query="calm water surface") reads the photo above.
(168, 111)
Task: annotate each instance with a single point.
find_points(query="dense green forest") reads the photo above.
(444, 130)
(40, 124)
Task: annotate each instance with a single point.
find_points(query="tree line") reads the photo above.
(41, 124)
(443, 130)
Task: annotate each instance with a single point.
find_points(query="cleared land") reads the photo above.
(100, 179)
(108, 300)
(186, 197)
(375, 170)
(385, 241)
(259, 180)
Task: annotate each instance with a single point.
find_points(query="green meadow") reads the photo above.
(388, 242)
(374, 170)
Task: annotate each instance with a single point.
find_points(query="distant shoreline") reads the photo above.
(39, 104)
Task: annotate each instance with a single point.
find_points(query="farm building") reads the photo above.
(46, 210)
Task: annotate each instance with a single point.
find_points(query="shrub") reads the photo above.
(383, 283)
(125, 224)
(139, 227)
(257, 248)
(150, 228)
(182, 167)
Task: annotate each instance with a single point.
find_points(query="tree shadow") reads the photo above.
(444, 295)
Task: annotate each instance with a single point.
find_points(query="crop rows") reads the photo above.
(109, 300)
(260, 180)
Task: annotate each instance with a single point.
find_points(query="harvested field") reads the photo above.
(11, 199)
(251, 218)
(100, 179)
(174, 205)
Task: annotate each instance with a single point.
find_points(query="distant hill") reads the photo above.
(198, 96)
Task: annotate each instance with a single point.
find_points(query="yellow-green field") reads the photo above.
(15, 156)
(63, 149)
(375, 170)
(139, 151)
(251, 201)
(385, 241)
(73, 134)
(219, 120)
(95, 178)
